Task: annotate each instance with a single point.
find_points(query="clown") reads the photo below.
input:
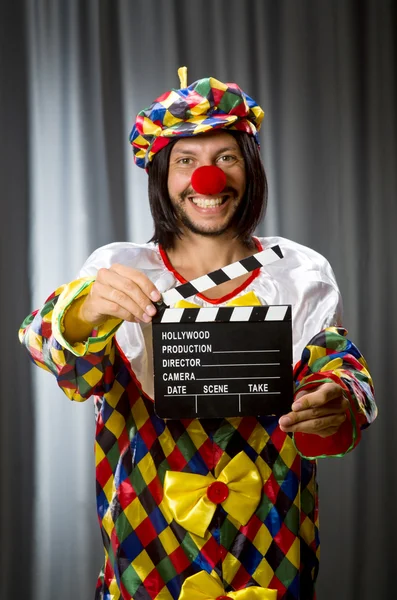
(213, 508)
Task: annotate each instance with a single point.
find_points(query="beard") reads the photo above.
(205, 230)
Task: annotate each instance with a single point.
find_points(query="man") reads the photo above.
(258, 539)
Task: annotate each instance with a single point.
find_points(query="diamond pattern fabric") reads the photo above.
(205, 105)
(148, 556)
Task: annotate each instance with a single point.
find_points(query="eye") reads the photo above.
(185, 160)
(227, 158)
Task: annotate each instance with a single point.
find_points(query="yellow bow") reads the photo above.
(248, 299)
(190, 506)
(204, 586)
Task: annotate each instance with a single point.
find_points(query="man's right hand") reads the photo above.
(121, 292)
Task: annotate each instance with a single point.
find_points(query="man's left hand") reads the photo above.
(321, 411)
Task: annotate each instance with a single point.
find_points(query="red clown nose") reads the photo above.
(209, 180)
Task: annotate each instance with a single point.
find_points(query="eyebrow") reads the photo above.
(194, 151)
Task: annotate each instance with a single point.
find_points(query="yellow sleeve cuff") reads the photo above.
(100, 335)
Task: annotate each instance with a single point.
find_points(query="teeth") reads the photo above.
(207, 202)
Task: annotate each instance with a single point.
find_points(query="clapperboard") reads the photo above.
(222, 361)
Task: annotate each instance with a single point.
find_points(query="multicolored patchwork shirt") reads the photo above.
(213, 508)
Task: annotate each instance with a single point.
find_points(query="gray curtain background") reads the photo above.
(73, 75)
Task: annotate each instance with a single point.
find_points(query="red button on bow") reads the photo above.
(217, 492)
(223, 598)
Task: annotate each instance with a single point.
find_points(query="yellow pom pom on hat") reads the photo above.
(205, 105)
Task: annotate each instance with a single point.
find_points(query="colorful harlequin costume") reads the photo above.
(199, 510)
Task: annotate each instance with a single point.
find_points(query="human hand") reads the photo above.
(320, 411)
(121, 292)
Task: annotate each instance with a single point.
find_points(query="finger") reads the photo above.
(315, 426)
(336, 405)
(144, 283)
(325, 393)
(112, 301)
(291, 419)
(313, 413)
(339, 404)
(112, 309)
(121, 287)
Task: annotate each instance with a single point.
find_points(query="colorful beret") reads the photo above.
(204, 105)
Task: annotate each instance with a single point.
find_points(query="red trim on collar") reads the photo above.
(242, 287)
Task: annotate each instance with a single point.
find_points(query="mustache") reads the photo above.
(230, 191)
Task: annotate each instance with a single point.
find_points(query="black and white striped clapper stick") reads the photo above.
(241, 267)
(225, 314)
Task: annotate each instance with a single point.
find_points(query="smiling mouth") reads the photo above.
(208, 202)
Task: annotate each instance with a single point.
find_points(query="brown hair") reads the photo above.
(249, 213)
